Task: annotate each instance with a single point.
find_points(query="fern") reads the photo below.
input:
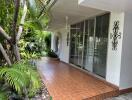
(15, 78)
(22, 77)
(35, 82)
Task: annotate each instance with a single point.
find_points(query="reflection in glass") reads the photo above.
(88, 45)
(77, 44)
(100, 47)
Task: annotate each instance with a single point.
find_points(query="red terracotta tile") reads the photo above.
(67, 83)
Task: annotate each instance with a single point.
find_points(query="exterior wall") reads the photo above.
(114, 57)
(119, 64)
(56, 46)
(126, 62)
(53, 41)
(64, 54)
(63, 51)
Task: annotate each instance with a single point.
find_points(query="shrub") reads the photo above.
(49, 53)
(21, 78)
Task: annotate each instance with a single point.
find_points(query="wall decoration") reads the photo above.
(67, 39)
(115, 35)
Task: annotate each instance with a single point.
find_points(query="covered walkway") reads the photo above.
(64, 82)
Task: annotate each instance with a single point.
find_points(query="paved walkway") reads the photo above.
(65, 82)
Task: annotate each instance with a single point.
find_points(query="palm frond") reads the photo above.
(15, 78)
(40, 11)
(35, 82)
(22, 77)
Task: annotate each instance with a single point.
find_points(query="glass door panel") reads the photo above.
(73, 51)
(76, 51)
(100, 47)
(80, 42)
(89, 45)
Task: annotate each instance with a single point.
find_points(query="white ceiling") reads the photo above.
(69, 8)
(109, 5)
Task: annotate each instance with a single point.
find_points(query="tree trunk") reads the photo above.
(4, 34)
(15, 19)
(18, 34)
(16, 52)
(22, 21)
(15, 35)
(5, 55)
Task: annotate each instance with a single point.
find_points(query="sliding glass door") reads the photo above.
(100, 47)
(89, 44)
(76, 51)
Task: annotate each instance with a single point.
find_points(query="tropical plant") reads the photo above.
(33, 43)
(33, 13)
(3, 96)
(17, 78)
(43, 39)
(22, 78)
(49, 53)
(47, 40)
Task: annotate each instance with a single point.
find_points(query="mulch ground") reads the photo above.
(43, 94)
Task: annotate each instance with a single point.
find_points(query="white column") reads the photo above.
(114, 56)
(126, 62)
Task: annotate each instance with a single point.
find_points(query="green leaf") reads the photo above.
(3, 96)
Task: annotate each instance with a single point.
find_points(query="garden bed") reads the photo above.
(43, 94)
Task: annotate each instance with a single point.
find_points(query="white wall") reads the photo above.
(126, 62)
(119, 63)
(64, 55)
(56, 47)
(63, 48)
(114, 57)
(53, 41)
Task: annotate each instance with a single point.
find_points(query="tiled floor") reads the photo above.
(65, 82)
